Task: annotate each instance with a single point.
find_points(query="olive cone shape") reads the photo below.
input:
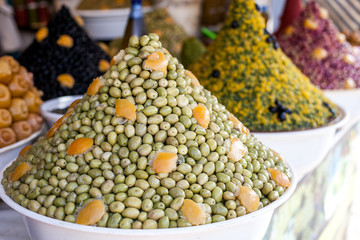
(145, 137)
(64, 47)
(318, 48)
(245, 68)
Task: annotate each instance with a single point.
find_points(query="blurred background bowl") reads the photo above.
(106, 24)
(348, 99)
(304, 149)
(48, 107)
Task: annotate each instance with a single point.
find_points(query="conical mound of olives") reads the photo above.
(254, 79)
(63, 58)
(146, 147)
(320, 50)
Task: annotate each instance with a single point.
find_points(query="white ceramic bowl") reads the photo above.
(348, 100)
(57, 103)
(304, 149)
(250, 227)
(12, 151)
(106, 24)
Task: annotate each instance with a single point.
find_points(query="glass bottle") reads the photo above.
(136, 24)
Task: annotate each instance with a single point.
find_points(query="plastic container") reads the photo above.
(250, 227)
(57, 103)
(304, 149)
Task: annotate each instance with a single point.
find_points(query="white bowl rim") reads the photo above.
(23, 141)
(341, 120)
(147, 232)
(51, 104)
(114, 12)
(48, 105)
(354, 90)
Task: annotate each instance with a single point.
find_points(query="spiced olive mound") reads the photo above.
(63, 58)
(245, 68)
(318, 48)
(147, 147)
(19, 103)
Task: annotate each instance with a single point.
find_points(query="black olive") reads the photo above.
(215, 73)
(234, 24)
(276, 45)
(282, 116)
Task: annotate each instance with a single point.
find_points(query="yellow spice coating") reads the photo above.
(249, 73)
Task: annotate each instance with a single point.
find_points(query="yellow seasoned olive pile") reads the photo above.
(147, 147)
(255, 80)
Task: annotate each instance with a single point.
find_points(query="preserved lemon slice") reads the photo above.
(24, 150)
(279, 177)
(237, 150)
(165, 162)
(95, 86)
(65, 41)
(66, 80)
(73, 104)
(103, 65)
(92, 213)
(19, 171)
(194, 80)
(41, 34)
(156, 62)
(202, 115)
(58, 124)
(125, 109)
(248, 198)
(80, 145)
(193, 212)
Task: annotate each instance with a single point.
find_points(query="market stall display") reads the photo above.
(191, 51)
(19, 103)
(63, 58)
(147, 147)
(255, 80)
(318, 48)
(174, 38)
(291, 11)
(172, 35)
